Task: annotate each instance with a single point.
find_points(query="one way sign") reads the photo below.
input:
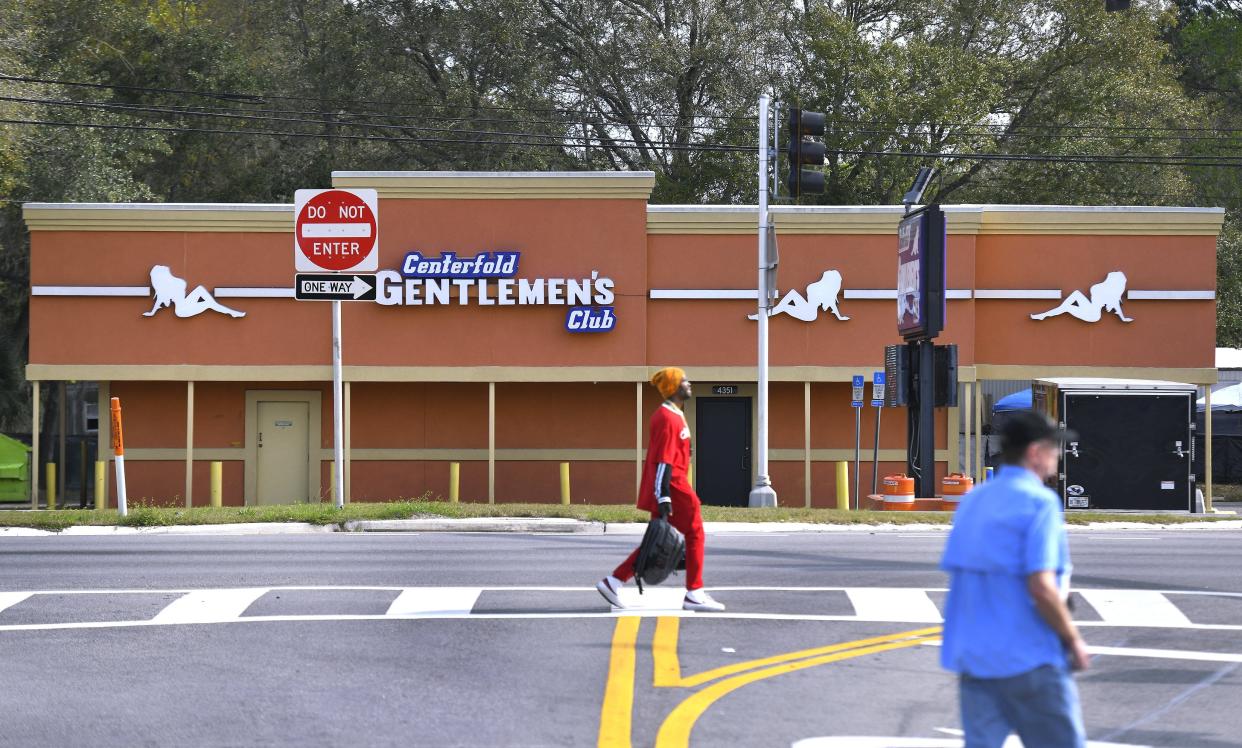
(333, 287)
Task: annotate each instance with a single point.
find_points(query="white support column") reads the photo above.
(491, 442)
(189, 444)
(979, 471)
(34, 445)
(968, 410)
(348, 461)
(638, 435)
(1207, 451)
(806, 439)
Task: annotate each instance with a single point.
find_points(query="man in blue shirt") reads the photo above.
(1007, 631)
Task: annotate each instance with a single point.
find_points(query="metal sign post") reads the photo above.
(762, 494)
(877, 402)
(856, 400)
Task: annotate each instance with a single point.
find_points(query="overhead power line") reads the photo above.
(579, 142)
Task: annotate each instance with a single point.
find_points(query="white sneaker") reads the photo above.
(700, 600)
(609, 587)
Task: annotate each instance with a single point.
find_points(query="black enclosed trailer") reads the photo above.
(1135, 445)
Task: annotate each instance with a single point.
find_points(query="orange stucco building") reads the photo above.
(437, 373)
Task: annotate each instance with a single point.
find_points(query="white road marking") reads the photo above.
(9, 599)
(653, 599)
(210, 606)
(1167, 654)
(1120, 608)
(904, 605)
(859, 741)
(1135, 608)
(425, 602)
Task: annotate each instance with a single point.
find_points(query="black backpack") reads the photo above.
(662, 551)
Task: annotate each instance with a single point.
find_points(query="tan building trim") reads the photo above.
(1056, 219)
(962, 220)
(1203, 376)
(257, 217)
(478, 374)
(837, 455)
(177, 454)
(463, 185)
(189, 444)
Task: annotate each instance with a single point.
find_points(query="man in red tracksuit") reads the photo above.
(665, 491)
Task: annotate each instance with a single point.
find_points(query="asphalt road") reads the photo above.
(489, 640)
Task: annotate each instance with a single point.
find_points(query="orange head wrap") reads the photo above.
(667, 380)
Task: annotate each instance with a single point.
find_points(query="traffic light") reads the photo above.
(804, 152)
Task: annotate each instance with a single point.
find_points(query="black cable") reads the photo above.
(129, 108)
(338, 136)
(262, 98)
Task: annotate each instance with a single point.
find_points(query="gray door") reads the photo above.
(284, 452)
(722, 450)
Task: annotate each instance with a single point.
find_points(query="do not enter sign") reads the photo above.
(336, 230)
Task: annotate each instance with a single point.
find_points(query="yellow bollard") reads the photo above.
(564, 482)
(51, 485)
(843, 485)
(101, 485)
(454, 482)
(690, 475)
(217, 484)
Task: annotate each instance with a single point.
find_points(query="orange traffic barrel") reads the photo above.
(898, 491)
(952, 488)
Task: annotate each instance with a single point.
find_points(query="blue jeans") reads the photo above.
(1040, 705)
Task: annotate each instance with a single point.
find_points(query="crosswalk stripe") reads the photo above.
(209, 606)
(898, 605)
(1135, 608)
(431, 601)
(9, 599)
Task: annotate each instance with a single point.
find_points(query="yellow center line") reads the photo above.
(675, 732)
(667, 673)
(617, 712)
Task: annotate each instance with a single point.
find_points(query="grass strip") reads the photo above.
(142, 515)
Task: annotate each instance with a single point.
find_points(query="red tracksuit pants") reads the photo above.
(690, 523)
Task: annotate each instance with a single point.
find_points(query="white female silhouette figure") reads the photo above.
(820, 295)
(1105, 297)
(169, 289)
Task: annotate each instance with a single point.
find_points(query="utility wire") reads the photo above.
(570, 141)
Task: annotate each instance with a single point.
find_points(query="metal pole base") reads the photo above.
(762, 495)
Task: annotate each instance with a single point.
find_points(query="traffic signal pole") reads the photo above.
(763, 494)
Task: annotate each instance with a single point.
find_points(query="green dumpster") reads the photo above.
(14, 470)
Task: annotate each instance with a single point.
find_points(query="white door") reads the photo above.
(284, 454)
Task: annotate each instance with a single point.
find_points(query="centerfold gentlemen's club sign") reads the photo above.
(490, 279)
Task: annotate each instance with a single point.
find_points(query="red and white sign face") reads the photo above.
(336, 230)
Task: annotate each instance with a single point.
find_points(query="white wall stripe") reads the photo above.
(704, 293)
(907, 605)
(209, 606)
(9, 599)
(869, 293)
(1171, 295)
(254, 293)
(1030, 293)
(90, 291)
(426, 602)
(1135, 607)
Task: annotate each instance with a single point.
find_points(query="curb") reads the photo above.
(565, 526)
(559, 525)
